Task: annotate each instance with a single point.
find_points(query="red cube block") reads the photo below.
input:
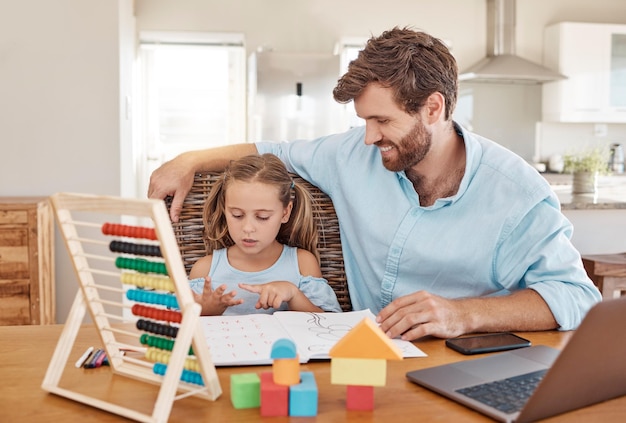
(359, 397)
(274, 397)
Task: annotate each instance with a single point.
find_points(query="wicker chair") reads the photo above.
(189, 231)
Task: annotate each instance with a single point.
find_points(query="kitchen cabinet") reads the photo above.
(26, 261)
(593, 58)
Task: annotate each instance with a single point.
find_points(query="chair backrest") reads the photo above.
(189, 232)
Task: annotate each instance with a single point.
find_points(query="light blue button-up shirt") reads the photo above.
(502, 231)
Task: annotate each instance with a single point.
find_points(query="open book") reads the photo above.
(248, 339)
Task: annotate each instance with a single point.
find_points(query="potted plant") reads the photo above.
(585, 168)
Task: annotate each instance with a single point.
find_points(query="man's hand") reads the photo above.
(421, 314)
(214, 302)
(175, 179)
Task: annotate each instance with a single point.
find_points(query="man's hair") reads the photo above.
(412, 63)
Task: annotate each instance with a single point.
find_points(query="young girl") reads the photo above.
(259, 226)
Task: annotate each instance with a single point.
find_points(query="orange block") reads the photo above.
(286, 371)
(366, 340)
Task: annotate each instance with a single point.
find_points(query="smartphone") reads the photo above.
(491, 342)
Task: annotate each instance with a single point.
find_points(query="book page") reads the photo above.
(241, 340)
(248, 339)
(316, 333)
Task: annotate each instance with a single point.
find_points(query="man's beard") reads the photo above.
(411, 149)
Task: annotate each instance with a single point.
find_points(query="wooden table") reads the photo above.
(25, 352)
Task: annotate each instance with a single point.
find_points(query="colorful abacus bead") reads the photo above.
(157, 313)
(151, 297)
(187, 375)
(161, 356)
(128, 231)
(141, 265)
(159, 342)
(135, 249)
(146, 281)
(157, 328)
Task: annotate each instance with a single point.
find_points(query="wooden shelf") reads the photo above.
(26, 261)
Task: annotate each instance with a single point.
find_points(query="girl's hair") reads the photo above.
(413, 64)
(300, 231)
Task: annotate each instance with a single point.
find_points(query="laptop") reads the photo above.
(591, 368)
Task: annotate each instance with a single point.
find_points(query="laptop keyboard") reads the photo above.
(507, 395)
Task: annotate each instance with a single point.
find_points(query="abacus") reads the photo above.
(142, 295)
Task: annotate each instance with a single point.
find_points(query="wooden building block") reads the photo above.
(303, 396)
(245, 390)
(284, 348)
(286, 371)
(359, 397)
(366, 340)
(358, 371)
(274, 397)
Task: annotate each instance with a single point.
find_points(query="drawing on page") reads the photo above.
(328, 332)
(332, 332)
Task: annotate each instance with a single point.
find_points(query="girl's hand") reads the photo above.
(214, 302)
(272, 294)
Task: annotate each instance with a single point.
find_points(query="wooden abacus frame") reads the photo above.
(89, 298)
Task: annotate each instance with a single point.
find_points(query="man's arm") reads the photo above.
(175, 177)
(421, 313)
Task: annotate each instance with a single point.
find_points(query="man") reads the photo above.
(443, 232)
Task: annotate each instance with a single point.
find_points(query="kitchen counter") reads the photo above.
(598, 220)
(611, 193)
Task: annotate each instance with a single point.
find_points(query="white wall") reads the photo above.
(58, 96)
(60, 126)
(570, 138)
(598, 231)
(307, 26)
(314, 26)
(64, 70)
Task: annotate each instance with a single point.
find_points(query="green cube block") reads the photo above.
(245, 390)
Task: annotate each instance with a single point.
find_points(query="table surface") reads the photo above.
(25, 352)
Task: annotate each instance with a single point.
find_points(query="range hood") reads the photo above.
(502, 65)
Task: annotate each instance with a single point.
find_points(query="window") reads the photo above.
(192, 95)
(348, 48)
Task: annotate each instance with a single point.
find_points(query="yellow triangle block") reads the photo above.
(366, 340)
